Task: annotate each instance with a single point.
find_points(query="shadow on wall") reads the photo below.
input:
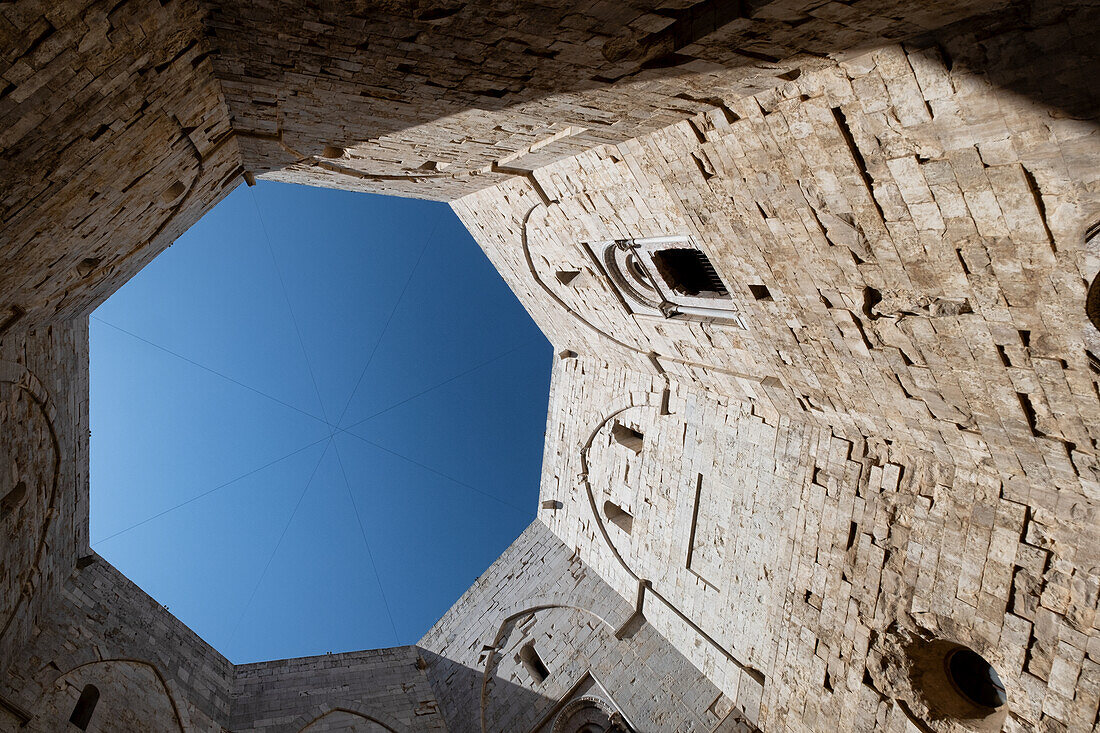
(1055, 66)
(121, 696)
(1051, 65)
(458, 689)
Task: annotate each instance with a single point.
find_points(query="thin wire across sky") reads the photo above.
(334, 427)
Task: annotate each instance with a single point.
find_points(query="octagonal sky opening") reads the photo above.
(316, 419)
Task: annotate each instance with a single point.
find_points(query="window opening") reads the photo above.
(85, 706)
(12, 500)
(567, 276)
(667, 277)
(760, 292)
(533, 662)
(627, 437)
(690, 272)
(618, 516)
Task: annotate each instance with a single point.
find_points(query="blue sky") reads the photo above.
(316, 419)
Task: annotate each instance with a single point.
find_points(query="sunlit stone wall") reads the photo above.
(785, 515)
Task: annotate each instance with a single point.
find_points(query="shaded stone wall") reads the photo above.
(384, 690)
(44, 476)
(152, 672)
(114, 141)
(541, 593)
(439, 98)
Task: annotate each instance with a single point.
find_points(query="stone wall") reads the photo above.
(903, 240)
(825, 568)
(439, 98)
(384, 690)
(152, 672)
(44, 477)
(115, 141)
(541, 594)
(782, 513)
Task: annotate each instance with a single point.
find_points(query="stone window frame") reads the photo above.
(85, 707)
(630, 266)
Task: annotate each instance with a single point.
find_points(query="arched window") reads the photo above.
(533, 662)
(85, 706)
(627, 437)
(670, 277)
(618, 516)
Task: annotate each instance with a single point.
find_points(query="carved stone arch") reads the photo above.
(645, 586)
(57, 686)
(614, 502)
(636, 349)
(307, 722)
(530, 606)
(586, 711)
(525, 244)
(594, 504)
(32, 501)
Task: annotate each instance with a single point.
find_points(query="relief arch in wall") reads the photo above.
(28, 495)
(622, 330)
(619, 541)
(346, 719)
(519, 623)
(133, 698)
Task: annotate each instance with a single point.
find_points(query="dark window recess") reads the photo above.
(627, 437)
(618, 516)
(567, 276)
(975, 678)
(85, 706)
(13, 499)
(533, 662)
(760, 292)
(689, 272)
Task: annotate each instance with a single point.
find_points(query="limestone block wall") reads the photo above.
(377, 690)
(440, 98)
(151, 671)
(903, 238)
(541, 594)
(780, 519)
(114, 141)
(43, 472)
(819, 573)
(117, 135)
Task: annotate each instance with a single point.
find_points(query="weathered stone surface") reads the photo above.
(780, 512)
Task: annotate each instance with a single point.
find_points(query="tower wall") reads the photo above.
(781, 515)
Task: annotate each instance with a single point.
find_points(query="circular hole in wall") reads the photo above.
(952, 683)
(1092, 299)
(975, 678)
(1092, 302)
